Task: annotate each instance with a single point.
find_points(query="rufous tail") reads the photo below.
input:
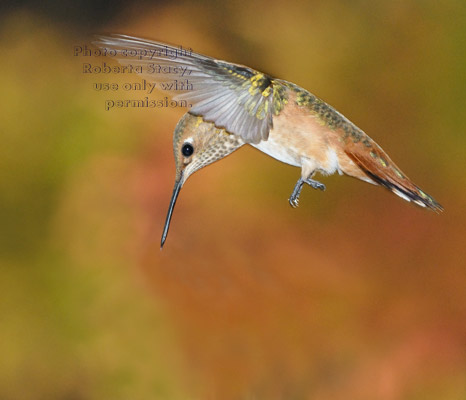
(376, 164)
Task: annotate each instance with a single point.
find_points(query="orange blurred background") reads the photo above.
(354, 295)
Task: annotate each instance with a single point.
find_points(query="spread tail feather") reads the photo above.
(376, 164)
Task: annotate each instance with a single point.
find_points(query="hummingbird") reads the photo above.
(233, 105)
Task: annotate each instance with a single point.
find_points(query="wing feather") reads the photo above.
(232, 96)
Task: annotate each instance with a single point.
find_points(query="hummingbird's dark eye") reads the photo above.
(187, 149)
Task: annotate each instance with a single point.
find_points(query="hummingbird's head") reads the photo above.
(196, 143)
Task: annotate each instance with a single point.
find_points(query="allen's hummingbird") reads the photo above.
(233, 105)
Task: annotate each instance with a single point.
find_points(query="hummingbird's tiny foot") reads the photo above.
(315, 184)
(294, 202)
(294, 198)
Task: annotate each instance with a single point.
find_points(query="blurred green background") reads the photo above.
(354, 295)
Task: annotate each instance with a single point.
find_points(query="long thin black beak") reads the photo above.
(176, 191)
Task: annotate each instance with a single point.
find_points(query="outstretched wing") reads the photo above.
(232, 96)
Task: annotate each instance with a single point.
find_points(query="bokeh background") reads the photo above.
(354, 295)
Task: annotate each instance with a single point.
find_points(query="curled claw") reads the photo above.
(294, 202)
(314, 184)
